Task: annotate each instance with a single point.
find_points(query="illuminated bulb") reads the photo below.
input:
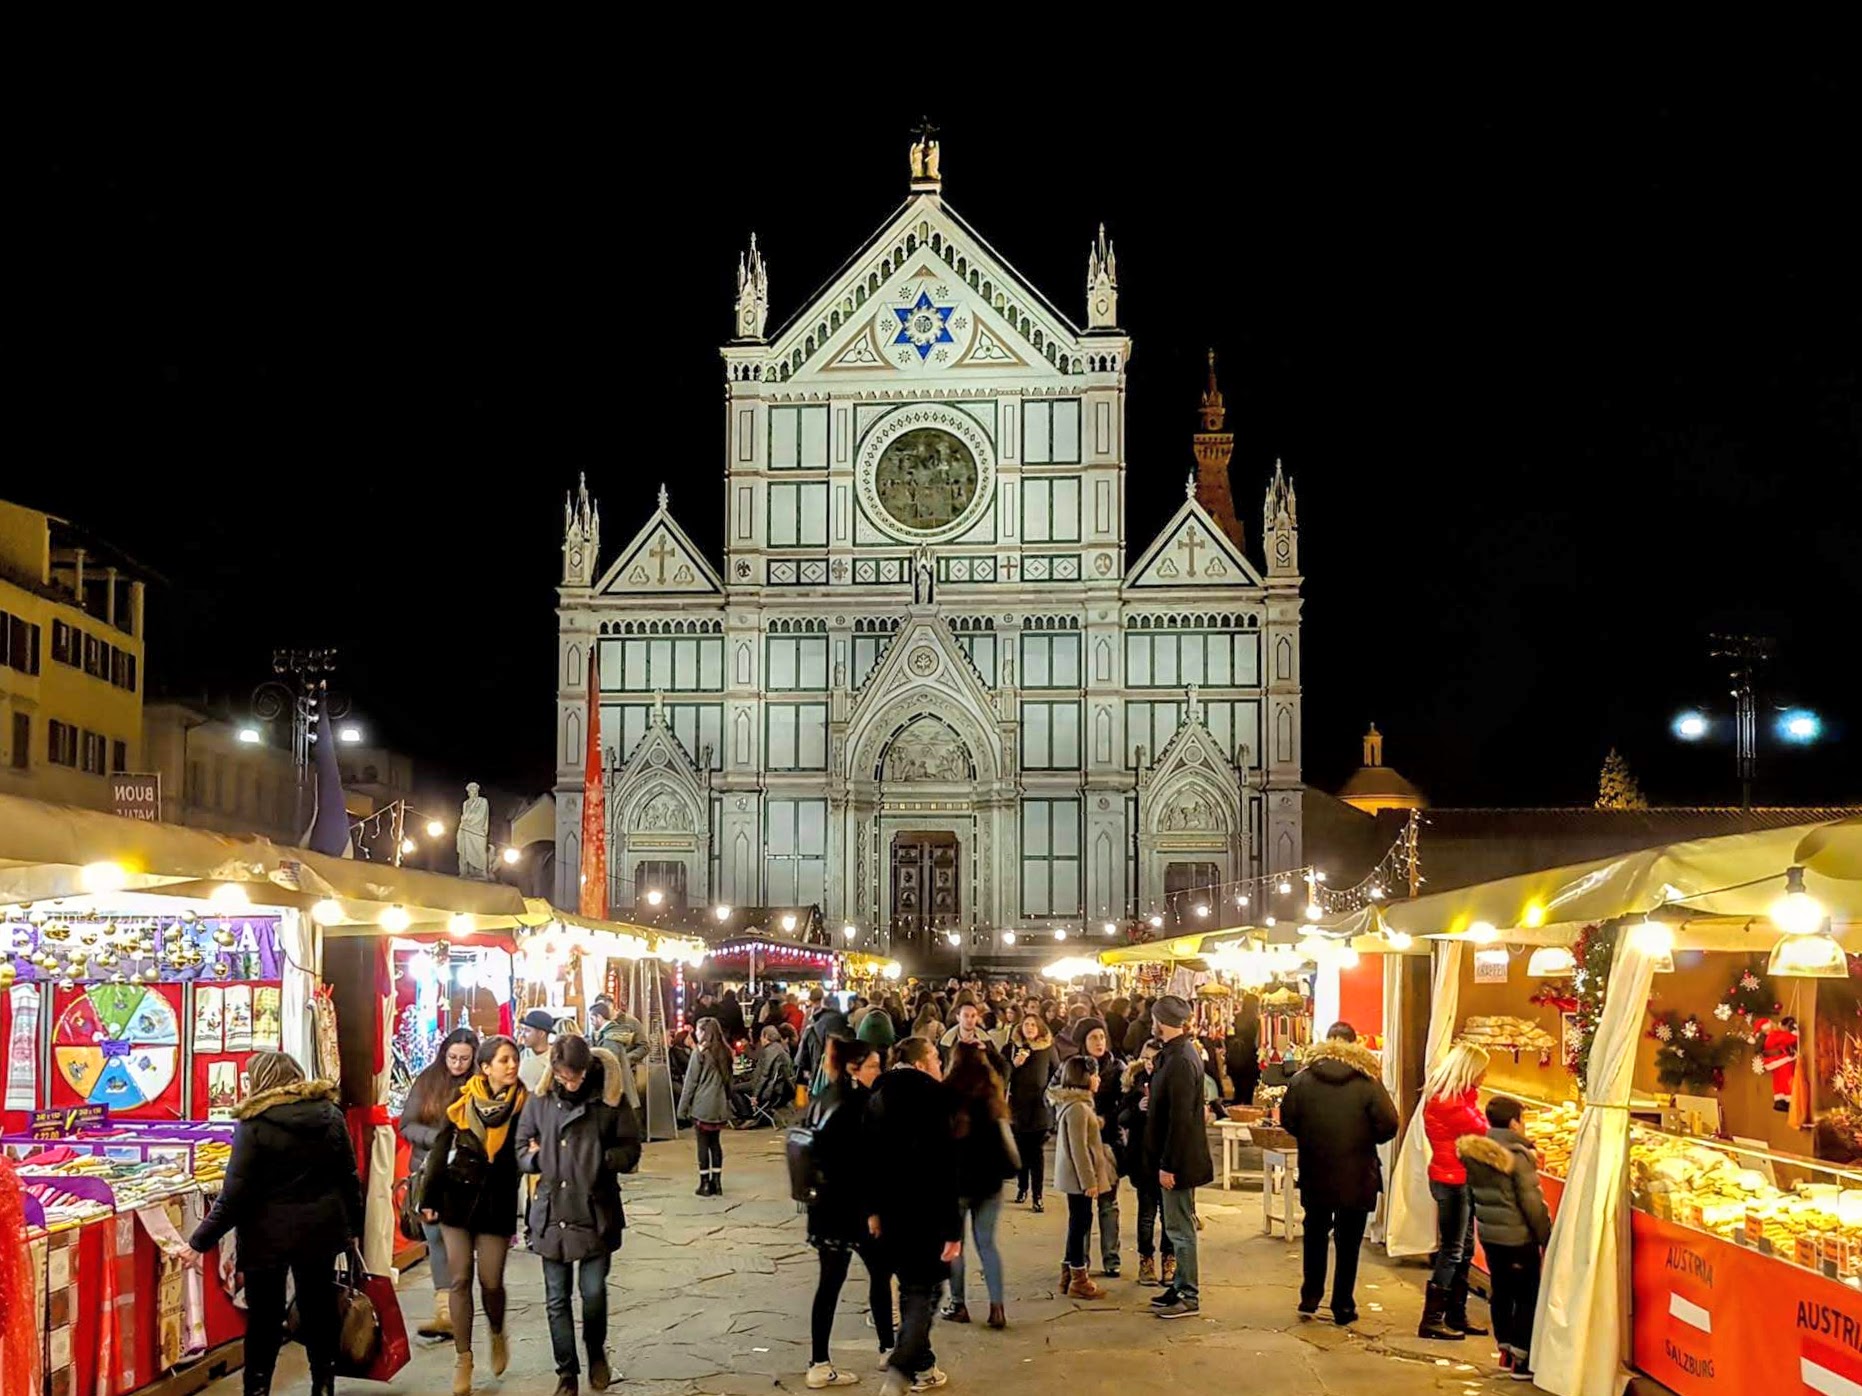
(953, 937)
(788, 921)
(1347, 957)
(1156, 922)
(723, 913)
(1008, 937)
(467, 975)
(849, 932)
(1061, 934)
(394, 919)
(1656, 941)
(1241, 900)
(230, 898)
(1399, 940)
(1111, 929)
(655, 897)
(420, 966)
(1797, 913)
(1202, 908)
(1550, 962)
(1317, 875)
(1285, 887)
(1268, 922)
(1312, 911)
(435, 828)
(350, 735)
(249, 736)
(1376, 892)
(327, 912)
(460, 924)
(102, 877)
(511, 855)
(408, 845)
(1483, 933)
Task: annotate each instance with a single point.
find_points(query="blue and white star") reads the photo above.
(923, 325)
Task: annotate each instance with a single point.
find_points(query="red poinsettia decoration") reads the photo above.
(1551, 996)
(1745, 1005)
(1688, 1057)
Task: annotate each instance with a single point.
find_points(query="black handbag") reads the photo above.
(358, 1326)
(407, 1210)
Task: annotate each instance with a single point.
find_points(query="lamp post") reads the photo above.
(300, 686)
(1746, 655)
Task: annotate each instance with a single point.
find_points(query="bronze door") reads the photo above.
(927, 900)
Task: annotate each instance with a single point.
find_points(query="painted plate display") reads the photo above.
(118, 1045)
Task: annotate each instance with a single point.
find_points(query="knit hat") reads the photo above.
(876, 1028)
(1170, 1011)
(1080, 1030)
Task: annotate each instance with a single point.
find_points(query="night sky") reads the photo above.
(1566, 373)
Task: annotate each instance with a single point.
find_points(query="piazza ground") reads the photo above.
(710, 1297)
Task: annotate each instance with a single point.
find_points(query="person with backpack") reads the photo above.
(828, 1167)
(469, 1186)
(577, 1135)
(1514, 1225)
(705, 1100)
(1031, 1066)
(1082, 1168)
(985, 1158)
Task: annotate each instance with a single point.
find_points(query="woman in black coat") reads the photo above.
(578, 1135)
(433, 1091)
(1244, 1051)
(469, 1187)
(1032, 1062)
(292, 1202)
(838, 1211)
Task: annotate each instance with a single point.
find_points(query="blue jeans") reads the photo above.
(1454, 1244)
(593, 1282)
(1107, 1203)
(1180, 1231)
(982, 1213)
(436, 1256)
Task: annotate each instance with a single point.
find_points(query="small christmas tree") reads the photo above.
(1616, 787)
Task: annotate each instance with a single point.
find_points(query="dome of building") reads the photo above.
(1375, 786)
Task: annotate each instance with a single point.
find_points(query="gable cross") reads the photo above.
(659, 552)
(1190, 539)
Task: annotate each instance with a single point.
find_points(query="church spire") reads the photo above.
(752, 294)
(1102, 284)
(925, 176)
(1281, 523)
(581, 536)
(1213, 448)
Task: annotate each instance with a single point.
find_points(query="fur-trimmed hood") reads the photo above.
(1046, 1039)
(613, 1085)
(1133, 1069)
(298, 1092)
(1340, 1060)
(1062, 1096)
(1499, 1150)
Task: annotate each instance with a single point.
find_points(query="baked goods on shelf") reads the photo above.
(1504, 1033)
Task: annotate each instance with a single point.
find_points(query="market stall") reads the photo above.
(1654, 1006)
(756, 960)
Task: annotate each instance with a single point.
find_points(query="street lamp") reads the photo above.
(1793, 726)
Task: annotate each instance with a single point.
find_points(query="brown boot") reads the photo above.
(442, 1323)
(462, 1374)
(500, 1352)
(997, 1318)
(1147, 1270)
(1434, 1305)
(1066, 1278)
(1082, 1286)
(1170, 1270)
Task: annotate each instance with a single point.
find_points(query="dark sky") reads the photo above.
(1566, 372)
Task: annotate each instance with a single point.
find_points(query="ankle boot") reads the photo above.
(1455, 1316)
(256, 1381)
(1066, 1277)
(441, 1325)
(1082, 1286)
(704, 1183)
(462, 1374)
(1434, 1305)
(997, 1317)
(500, 1352)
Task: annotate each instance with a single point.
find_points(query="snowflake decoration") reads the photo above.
(1690, 1029)
(1758, 1065)
(1577, 979)
(1748, 980)
(1723, 1011)
(1663, 1032)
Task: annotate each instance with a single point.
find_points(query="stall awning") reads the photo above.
(1721, 888)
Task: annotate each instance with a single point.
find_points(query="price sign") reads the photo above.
(60, 1124)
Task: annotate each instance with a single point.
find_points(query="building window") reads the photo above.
(93, 658)
(798, 516)
(1051, 510)
(796, 852)
(795, 737)
(1050, 857)
(19, 644)
(798, 438)
(1051, 661)
(866, 652)
(797, 662)
(663, 664)
(96, 749)
(64, 643)
(1051, 432)
(119, 757)
(123, 669)
(61, 743)
(1235, 724)
(1050, 736)
(22, 741)
(1169, 659)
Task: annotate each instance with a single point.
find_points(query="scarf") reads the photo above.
(487, 1116)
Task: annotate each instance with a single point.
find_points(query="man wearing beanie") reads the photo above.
(1176, 1135)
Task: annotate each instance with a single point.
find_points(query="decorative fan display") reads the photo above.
(119, 1045)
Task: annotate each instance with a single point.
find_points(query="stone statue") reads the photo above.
(924, 578)
(475, 834)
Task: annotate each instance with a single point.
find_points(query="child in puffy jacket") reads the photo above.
(1514, 1224)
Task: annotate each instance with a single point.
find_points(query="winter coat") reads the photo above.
(290, 1188)
(1028, 1111)
(731, 1018)
(983, 1158)
(625, 1037)
(837, 1216)
(877, 1028)
(1111, 1095)
(1133, 1160)
(1445, 1119)
(811, 1055)
(912, 1179)
(583, 1145)
(1339, 1111)
(1080, 1160)
(1503, 1175)
(1176, 1134)
(775, 1074)
(420, 1136)
(1138, 1033)
(1116, 1030)
(706, 1096)
(1244, 1065)
(467, 1191)
(948, 1044)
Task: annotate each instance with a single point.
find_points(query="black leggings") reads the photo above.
(710, 1150)
(834, 1265)
(1028, 1143)
(315, 1278)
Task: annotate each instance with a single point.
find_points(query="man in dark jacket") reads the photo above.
(1176, 1135)
(577, 1134)
(1338, 1110)
(912, 1209)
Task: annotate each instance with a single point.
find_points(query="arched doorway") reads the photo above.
(927, 900)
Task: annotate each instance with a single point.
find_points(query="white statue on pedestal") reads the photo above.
(475, 834)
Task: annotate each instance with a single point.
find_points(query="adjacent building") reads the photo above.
(930, 685)
(71, 661)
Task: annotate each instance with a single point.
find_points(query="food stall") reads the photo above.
(754, 960)
(1708, 1222)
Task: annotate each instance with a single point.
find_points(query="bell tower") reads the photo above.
(1214, 447)
(581, 537)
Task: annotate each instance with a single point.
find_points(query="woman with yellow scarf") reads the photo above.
(469, 1186)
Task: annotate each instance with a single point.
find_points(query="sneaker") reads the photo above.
(1164, 1300)
(930, 1379)
(1110, 1272)
(1344, 1318)
(1520, 1372)
(1037, 1205)
(824, 1374)
(885, 1359)
(1183, 1308)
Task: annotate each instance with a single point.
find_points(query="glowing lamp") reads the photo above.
(1061, 934)
(394, 919)
(1656, 941)
(953, 937)
(1157, 922)
(1814, 956)
(1347, 957)
(1377, 892)
(1202, 908)
(655, 897)
(435, 828)
(1483, 933)
(849, 932)
(1008, 937)
(249, 736)
(327, 912)
(1551, 962)
(460, 924)
(1797, 913)
(1285, 887)
(349, 736)
(1799, 725)
(511, 855)
(1241, 900)
(788, 921)
(102, 877)
(1691, 726)
(408, 845)
(1533, 916)
(1268, 922)
(229, 899)
(1399, 940)
(1312, 911)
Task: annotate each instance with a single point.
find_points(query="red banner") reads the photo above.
(594, 895)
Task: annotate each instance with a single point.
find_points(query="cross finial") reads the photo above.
(663, 496)
(1189, 486)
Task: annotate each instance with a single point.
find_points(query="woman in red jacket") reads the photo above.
(1451, 1110)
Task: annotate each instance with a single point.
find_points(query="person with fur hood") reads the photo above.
(1338, 1110)
(1083, 1168)
(1031, 1066)
(578, 1135)
(1514, 1223)
(293, 1203)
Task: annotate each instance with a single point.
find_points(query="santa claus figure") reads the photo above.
(1776, 1054)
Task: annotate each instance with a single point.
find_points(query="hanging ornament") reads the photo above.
(224, 938)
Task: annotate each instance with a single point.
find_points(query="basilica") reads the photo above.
(930, 687)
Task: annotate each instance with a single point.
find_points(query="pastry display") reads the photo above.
(1503, 1033)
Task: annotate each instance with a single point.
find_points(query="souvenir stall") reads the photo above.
(1681, 1016)
(751, 962)
(871, 976)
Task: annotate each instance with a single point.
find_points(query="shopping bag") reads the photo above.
(392, 1351)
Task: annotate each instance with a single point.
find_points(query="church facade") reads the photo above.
(929, 687)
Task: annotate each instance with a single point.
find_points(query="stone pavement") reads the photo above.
(710, 1297)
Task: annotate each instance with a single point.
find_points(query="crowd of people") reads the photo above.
(911, 1118)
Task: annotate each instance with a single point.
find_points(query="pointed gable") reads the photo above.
(661, 788)
(1192, 551)
(661, 561)
(924, 672)
(1191, 793)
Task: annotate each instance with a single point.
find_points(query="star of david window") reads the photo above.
(924, 325)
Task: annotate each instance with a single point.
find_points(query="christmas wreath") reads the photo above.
(1688, 1056)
